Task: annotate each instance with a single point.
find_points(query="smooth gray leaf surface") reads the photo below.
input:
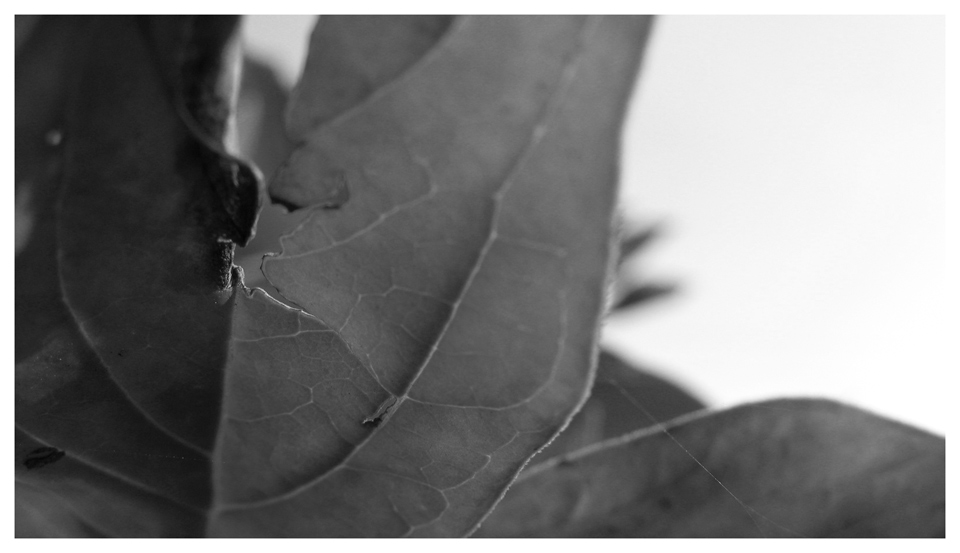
(785, 468)
(351, 57)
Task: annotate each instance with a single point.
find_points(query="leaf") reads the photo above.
(623, 399)
(627, 293)
(351, 57)
(185, 404)
(41, 514)
(788, 468)
(123, 288)
(465, 277)
(23, 28)
(635, 242)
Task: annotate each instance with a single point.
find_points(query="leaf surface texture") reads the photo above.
(450, 307)
(465, 274)
(785, 468)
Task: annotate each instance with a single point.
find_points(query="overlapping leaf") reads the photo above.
(352, 57)
(623, 399)
(162, 399)
(786, 468)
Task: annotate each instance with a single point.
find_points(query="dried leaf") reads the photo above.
(781, 468)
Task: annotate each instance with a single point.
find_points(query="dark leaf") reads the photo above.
(123, 288)
(642, 294)
(23, 28)
(627, 293)
(788, 468)
(41, 514)
(635, 243)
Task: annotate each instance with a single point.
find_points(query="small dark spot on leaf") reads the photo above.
(372, 423)
(121, 353)
(664, 503)
(42, 457)
(381, 414)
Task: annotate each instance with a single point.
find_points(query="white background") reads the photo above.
(796, 164)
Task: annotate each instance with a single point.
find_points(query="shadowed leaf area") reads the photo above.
(788, 468)
(450, 305)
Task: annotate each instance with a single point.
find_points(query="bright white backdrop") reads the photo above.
(797, 166)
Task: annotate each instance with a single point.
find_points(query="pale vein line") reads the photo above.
(489, 457)
(374, 224)
(280, 336)
(537, 134)
(534, 245)
(561, 348)
(392, 475)
(111, 473)
(659, 426)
